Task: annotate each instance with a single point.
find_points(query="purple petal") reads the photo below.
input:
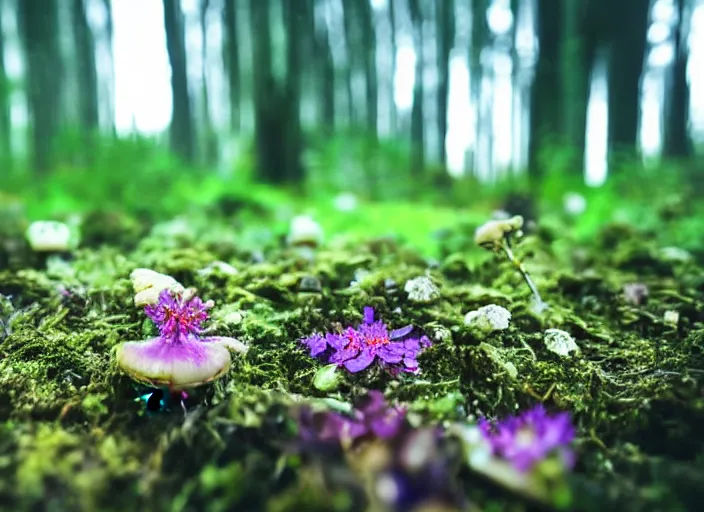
(412, 345)
(387, 426)
(401, 332)
(316, 343)
(370, 404)
(368, 315)
(344, 355)
(391, 353)
(362, 361)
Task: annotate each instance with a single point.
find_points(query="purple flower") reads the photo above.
(357, 349)
(179, 357)
(530, 437)
(178, 316)
(371, 417)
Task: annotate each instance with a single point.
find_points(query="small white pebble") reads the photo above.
(305, 230)
(345, 202)
(217, 266)
(148, 284)
(49, 236)
(671, 318)
(574, 204)
(421, 289)
(560, 342)
(442, 334)
(489, 318)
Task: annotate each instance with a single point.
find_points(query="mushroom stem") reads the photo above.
(539, 303)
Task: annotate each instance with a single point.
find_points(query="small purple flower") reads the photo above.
(357, 349)
(178, 316)
(179, 357)
(371, 417)
(530, 437)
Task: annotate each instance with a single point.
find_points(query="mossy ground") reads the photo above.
(73, 438)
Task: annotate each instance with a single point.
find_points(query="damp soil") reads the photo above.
(72, 436)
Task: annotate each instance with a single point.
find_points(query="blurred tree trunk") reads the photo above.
(87, 75)
(326, 74)
(393, 116)
(110, 97)
(545, 115)
(350, 23)
(276, 107)
(677, 142)
(231, 58)
(417, 116)
(182, 132)
(577, 53)
(38, 21)
(368, 45)
(209, 137)
(478, 42)
(5, 122)
(446, 35)
(296, 12)
(567, 35)
(629, 24)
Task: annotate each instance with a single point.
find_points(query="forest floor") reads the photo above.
(72, 436)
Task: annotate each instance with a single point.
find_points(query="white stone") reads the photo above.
(421, 289)
(345, 202)
(49, 236)
(217, 266)
(560, 342)
(489, 318)
(148, 284)
(305, 230)
(671, 318)
(574, 204)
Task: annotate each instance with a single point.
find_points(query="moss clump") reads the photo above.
(77, 439)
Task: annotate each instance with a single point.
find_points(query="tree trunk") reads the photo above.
(478, 42)
(446, 34)
(38, 21)
(276, 107)
(87, 75)
(546, 117)
(292, 137)
(5, 123)
(350, 21)
(417, 116)
(231, 58)
(393, 117)
(210, 141)
(677, 142)
(182, 133)
(111, 76)
(369, 46)
(326, 77)
(629, 24)
(577, 51)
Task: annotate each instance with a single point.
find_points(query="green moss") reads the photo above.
(74, 432)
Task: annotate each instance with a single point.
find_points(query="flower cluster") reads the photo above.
(179, 357)
(529, 438)
(371, 417)
(410, 467)
(356, 349)
(178, 315)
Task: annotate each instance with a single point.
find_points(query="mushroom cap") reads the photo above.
(181, 364)
(493, 231)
